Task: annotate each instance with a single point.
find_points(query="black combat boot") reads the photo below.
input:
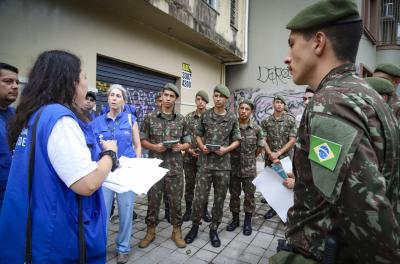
(206, 216)
(271, 213)
(235, 222)
(247, 230)
(188, 212)
(167, 213)
(191, 236)
(215, 242)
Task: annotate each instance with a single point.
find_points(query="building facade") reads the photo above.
(265, 73)
(141, 44)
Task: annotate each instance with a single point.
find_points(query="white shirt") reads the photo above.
(68, 152)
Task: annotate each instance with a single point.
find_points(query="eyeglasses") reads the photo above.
(306, 98)
(91, 99)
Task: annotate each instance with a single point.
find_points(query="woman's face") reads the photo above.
(81, 90)
(116, 100)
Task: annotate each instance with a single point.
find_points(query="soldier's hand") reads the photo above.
(289, 183)
(221, 151)
(177, 147)
(193, 152)
(159, 148)
(274, 156)
(109, 145)
(205, 150)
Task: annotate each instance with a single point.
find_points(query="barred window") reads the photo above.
(234, 13)
(389, 24)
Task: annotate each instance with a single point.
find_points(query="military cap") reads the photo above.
(280, 97)
(222, 89)
(325, 13)
(248, 102)
(203, 95)
(381, 85)
(91, 94)
(172, 87)
(158, 95)
(389, 68)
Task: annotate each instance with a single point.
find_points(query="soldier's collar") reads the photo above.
(347, 68)
(215, 115)
(161, 114)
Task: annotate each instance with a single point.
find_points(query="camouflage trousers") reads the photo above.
(236, 183)
(190, 180)
(173, 190)
(220, 181)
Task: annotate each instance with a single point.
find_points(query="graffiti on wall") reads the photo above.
(263, 101)
(275, 75)
(143, 100)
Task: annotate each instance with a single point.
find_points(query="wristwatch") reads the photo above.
(113, 155)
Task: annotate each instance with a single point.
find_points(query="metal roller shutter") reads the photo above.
(142, 84)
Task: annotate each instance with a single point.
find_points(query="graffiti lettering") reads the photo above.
(275, 75)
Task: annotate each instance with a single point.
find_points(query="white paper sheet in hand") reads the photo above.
(277, 195)
(287, 164)
(135, 174)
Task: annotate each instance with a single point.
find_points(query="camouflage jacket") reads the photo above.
(243, 158)
(278, 131)
(158, 127)
(219, 130)
(192, 119)
(346, 164)
(395, 106)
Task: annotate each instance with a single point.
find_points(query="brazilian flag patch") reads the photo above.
(324, 152)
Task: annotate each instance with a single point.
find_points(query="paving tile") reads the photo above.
(205, 255)
(249, 258)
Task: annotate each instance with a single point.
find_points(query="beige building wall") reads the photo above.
(88, 30)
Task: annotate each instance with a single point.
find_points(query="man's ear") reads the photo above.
(319, 43)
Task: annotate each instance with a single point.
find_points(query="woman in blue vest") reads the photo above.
(122, 127)
(62, 172)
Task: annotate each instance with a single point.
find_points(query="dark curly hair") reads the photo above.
(52, 79)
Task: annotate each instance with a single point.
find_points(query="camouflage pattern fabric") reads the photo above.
(190, 180)
(243, 160)
(192, 119)
(219, 130)
(173, 186)
(358, 199)
(156, 128)
(214, 169)
(277, 133)
(220, 181)
(189, 162)
(394, 103)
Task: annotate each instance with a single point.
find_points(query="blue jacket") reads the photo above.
(54, 207)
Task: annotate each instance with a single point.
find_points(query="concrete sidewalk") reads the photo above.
(235, 248)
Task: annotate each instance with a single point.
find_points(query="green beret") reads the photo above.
(248, 102)
(203, 95)
(280, 97)
(389, 68)
(381, 85)
(172, 87)
(325, 13)
(222, 89)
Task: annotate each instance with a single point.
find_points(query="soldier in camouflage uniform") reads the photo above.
(243, 160)
(159, 127)
(280, 136)
(217, 135)
(191, 156)
(346, 160)
(391, 73)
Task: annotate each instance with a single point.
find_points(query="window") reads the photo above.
(389, 24)
(234, 13)
(370, 19)
(212, 3)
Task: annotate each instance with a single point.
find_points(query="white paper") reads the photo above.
(135, 174)
(277, 195)
(287, 164)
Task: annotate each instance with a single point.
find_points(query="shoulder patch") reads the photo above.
(324, 152)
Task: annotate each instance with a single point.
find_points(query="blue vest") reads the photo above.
(54, 207)
(121, 130)
(5, 154)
